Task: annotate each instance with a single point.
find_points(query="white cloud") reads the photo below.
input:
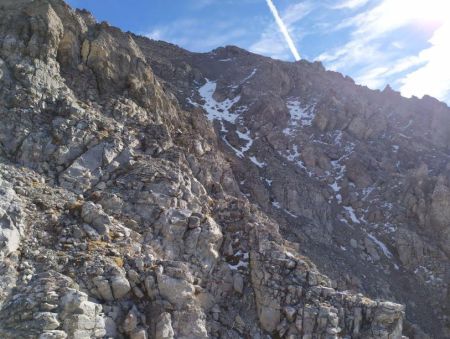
(403, 65)
(434, 77)
(271, 43)
(390, 15)
(372, 78)
(171, 32)
(376, 59)
(353, 53)
(155, 34)
(375, 77)
(351, 4)
(296, 12)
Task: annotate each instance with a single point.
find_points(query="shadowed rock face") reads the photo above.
(306, 207)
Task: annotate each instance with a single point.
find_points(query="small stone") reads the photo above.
(299, 323)
(290, 264)
(120, 286)
(101, 186)
(133, 276)
(48, 320)
(194, 221)
(238, 283)
(103, 288)
(48, 307)
(164, 328)
(290, 313)
(269, 316)
(110, 327)
(312, 278)
(198, 148)
(239, 324)
(91, 232)
(139, 264)
(139, 333)
(150, 286)
(55, 334)
(333, 330)
(93, 214)
(176, 291)
(131, 321)
(282, 328)
(371, 249)
(138, 292)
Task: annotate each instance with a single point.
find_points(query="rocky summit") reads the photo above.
(150, 192)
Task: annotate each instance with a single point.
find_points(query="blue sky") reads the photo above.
(405, 43)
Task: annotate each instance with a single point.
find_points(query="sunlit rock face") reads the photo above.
(150, 192)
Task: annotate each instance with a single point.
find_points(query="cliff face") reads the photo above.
(146, 191)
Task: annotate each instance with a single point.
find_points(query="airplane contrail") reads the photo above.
(284, 30)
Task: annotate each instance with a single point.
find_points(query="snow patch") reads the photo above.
(427, 275)
(243, 261)
(338, 137)
(256, 162)
(304, 115)
(239, 264)
(249, 76)
(404, 136)
(235, 150)
(221, 111)
(290, 213)
(382, 246)
(366, 192)
(389, 228)
(335, 187)
(407, 125)
(245, 136)
(352, 214)
(234, 86)
(299, 116)
(294, 156)
(339, 170)
(218, 110)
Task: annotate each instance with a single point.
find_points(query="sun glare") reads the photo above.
(436, 11)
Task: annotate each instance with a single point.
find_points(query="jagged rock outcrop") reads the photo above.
(126, 213)
(51, 306)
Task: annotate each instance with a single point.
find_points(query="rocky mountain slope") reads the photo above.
(150, 192)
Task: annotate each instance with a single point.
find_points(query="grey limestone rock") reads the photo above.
(126, 213)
